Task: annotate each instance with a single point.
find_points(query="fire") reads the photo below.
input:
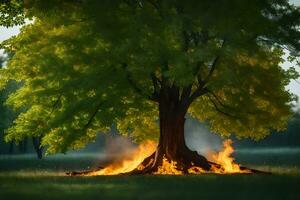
(196, 170)
(224, 159)
(169, 168)
(136, 156)
(128, 164)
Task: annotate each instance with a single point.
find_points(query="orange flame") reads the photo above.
(169, 168)
(128, 164)
(224, 159)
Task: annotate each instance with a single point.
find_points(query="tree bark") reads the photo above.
(172, 145)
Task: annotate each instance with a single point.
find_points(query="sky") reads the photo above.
(294, 86)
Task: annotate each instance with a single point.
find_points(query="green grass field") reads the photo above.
(24, 177)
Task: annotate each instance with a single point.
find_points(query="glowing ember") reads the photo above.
(128, 164)
(227, 163)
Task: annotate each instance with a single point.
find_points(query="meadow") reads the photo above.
(25, 177)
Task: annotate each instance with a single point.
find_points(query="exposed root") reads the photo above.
(194, 159)
(191, 159)
(192, 164)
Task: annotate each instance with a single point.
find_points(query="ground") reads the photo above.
(24, 177)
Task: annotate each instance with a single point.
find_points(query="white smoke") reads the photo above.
(118, 148)
(199, 138)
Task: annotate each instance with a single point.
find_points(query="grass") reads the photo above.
(42, 185)
(27, 178)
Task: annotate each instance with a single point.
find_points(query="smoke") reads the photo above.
(115, 147)
(200, 139)
(118, 148)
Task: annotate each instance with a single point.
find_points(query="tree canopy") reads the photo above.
(86, 64)
(11, 12)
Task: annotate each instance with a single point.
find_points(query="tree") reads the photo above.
(287, 138)
(5, 113)
(11, 12)
(145, 64)
(8, 116)
(36, 141)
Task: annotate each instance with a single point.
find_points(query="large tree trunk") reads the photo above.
(172, 145)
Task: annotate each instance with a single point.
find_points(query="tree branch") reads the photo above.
(213, 66)
(201, 89)
(217, 98)
(165, 68)
(198, 92)
(219, 110)
(93, 115)
(197, 68)
(54, 107)
(134, 85)
(186, 91)
(212, 69)
(157, 86)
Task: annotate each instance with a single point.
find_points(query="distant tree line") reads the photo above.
(7, 116)
(288, 138)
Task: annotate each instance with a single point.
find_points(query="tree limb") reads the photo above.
(213, 66)
(219, 110)
(165, 68)
(54, 107)
(186, 91)
(157, 86)
(198, 92)
(197, 68)
(212, 69)
(217, 98)
(134, 85)
(93, 115)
